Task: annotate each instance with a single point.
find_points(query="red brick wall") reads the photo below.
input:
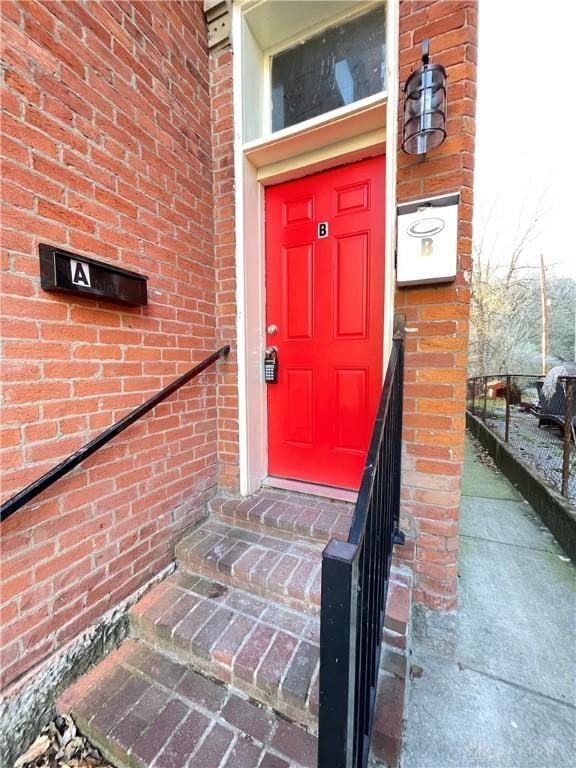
(437, 317)
(225, 263)
(106, 152)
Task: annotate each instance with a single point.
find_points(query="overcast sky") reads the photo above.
(526, 123)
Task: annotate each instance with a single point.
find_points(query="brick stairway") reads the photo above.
(222, 665)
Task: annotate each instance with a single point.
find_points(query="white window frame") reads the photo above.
(292, 41)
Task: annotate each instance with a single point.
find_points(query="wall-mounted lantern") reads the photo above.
(424, 107)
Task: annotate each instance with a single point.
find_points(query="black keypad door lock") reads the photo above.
(271, 365)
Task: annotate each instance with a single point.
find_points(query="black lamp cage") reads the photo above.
(424, 107)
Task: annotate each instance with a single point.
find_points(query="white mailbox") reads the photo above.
(427, 249)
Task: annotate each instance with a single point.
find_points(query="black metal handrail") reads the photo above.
(355, 578)
(31, 491)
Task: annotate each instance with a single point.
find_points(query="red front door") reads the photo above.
(325, 295)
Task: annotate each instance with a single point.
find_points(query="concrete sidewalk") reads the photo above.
(494, 682)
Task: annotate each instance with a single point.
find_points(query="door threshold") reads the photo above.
(312, 489)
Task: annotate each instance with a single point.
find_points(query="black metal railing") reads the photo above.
(355, 577)
(31, 491)
(539, 423)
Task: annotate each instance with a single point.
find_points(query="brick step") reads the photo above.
(398, 609)
(263, 649)
(276, 567)
(267, 510)
(394, 678)
(144, 710)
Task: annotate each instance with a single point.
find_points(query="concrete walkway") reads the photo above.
(494, 682)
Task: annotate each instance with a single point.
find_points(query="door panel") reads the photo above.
(298, 211)
(325, 295)
(297, 289)
(298, 416)
(350, 300)
(350, 397)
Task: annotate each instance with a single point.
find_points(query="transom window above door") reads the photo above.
(336, 67)
(306, 60)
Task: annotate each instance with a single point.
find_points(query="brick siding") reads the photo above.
(437, 317)
(107, 153)
(225, 263)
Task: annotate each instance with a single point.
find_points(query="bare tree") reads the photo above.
(503, 285)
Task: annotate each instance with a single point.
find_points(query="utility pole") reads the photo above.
(544, 300)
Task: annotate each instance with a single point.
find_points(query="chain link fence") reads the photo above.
(542, 429)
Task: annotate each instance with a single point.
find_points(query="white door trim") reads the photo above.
(250, 257)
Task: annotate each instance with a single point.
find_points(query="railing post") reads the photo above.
(473, 409)
(337, 655)
(485, 381)
(397, 461)
(507, 428)
(568, 429)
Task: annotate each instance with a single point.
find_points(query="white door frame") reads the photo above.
(277, 159)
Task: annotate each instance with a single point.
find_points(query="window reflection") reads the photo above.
(337, 67)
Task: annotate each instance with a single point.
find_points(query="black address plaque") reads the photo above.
(67, 272)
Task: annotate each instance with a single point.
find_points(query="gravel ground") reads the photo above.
(541, 447)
